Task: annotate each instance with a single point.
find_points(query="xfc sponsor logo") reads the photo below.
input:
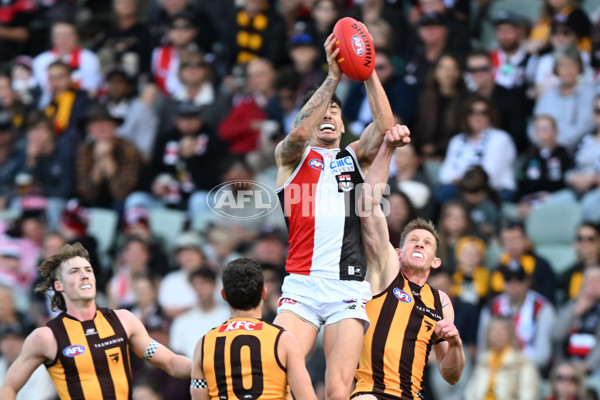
(242, 200)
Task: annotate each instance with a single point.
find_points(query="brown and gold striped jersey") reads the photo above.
(92, 361)
(239, 360)
(397, 344)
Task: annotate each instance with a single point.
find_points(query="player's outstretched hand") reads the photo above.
(332, 52)
(398, 136)
(444, 329)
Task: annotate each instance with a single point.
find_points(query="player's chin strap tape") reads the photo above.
(152, 347)
(198, 384)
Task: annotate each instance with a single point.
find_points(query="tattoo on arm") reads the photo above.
(445, 304)
(290, 148)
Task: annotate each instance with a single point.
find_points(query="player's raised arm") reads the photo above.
(290, 149)
(383, 119)
(198, 386)
(297, 375)
(374, 228)
(449, 352)
(150, 350)
(39, 347)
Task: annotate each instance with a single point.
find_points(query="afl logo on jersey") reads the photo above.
(316, 164)
(74, 350)
(402, 296)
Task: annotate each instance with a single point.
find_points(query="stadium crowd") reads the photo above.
(118, 118)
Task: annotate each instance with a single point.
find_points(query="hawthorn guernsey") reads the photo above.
(319, 205)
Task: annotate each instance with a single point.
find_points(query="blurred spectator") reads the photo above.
(282, 108)
(410, 178)
(273, 282)
(137, 223)
(140, 123)
(578, 324)
(587, 246)
(510, 59)
(503, 371)
(571, 103)
(512, 104)
(67, 106)
(369, 11)
(15, 17)
(73, 227)
(165, 59)
(191, 326)
(471, 281)
(567, 382)
(108, 167)
(584, 179)
(454, 223)
(49, 168)
(39, 385)
(132, 261)
(241, 127)
(532, 314)
(82, 64)
(519, 255)
(324, 15)
(561, 10)
(477, 146)
(306, 58)
(562, 36)
(178, 175)
(146, 307)
(197, 87)
(127, 43)
(402, 97)
(222, 245)
(176, 294)
(146, 389)
(256, 31)
(402, 211)
(545, 164)
(11, 160)
(439, 104)
(482, 201)
(433, 34)
(165, 12)
(17, 100)
(270, 248)
(11, 318)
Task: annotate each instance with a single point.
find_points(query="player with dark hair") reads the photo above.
(408, 317)
(245, 349)
(86, 348)
(316, 183)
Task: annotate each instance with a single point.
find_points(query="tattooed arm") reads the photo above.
(290, 149)
(449, 352)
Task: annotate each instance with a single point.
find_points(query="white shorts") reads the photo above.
(323, 301)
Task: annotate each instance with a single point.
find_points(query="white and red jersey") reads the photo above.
(319, 206)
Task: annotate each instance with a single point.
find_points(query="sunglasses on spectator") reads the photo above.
(478, 111)
(562, 31)
(193, 64)
(568, 378)
(589, 239)
(484, 68)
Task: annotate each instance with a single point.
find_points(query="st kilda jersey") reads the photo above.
(319, 206)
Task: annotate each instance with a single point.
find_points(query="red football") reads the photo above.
(357, 54)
